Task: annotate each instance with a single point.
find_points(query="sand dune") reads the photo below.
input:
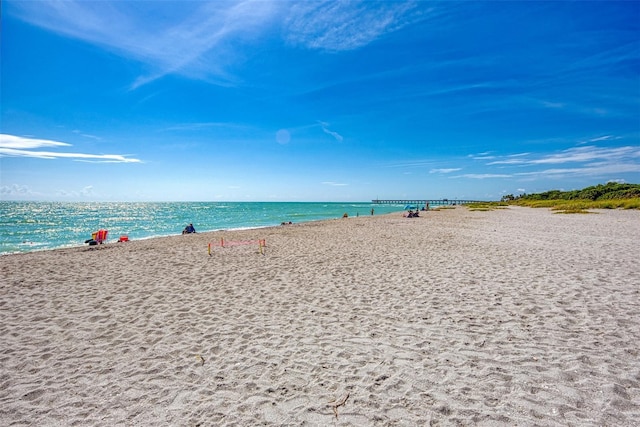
(511, 317)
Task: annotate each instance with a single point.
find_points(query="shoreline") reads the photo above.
(512, 316)
(112, 240)
(42, 226)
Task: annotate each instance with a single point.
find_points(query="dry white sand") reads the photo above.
(509, 317)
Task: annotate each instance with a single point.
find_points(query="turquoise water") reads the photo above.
(29, 226)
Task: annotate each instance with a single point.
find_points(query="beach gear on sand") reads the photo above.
(98, 237)
(101, 236)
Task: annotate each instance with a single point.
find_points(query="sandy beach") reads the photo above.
(509, 317)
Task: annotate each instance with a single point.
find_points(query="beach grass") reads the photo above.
(579, 206)
(487, 206)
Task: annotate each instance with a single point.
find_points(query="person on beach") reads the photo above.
(189, 229)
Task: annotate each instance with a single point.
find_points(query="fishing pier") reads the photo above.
(423, 202)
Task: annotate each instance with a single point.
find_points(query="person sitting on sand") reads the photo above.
(189, 229)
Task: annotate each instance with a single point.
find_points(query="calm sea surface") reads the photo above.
(29, 226)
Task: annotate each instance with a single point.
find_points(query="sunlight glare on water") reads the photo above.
(28, 226)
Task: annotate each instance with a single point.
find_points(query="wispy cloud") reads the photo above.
(16, 146)
(511, 159)
(505, 161)
(483, 175)
(345, 25)
(598, 169)
(334, 184)
(325, 129)
(166, 38)
(573, 155)
(412, 164)
(482, 156)
(590, 153)
(86, 135)
(582, 160)
(444, 170)
(201, 40)
(599, 139)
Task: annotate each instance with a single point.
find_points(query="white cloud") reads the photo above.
(202, 40)
(86, 135)
(444, 170)
(197, 39)
(169, 39)
(334, 184)
(87, 191)
(412, 164)
(508, 162)
(16, 146)
(581, 154)
(598, 139)
(483, 176)
(345, 25)
(588, 153)
(17, 142)
(336, 135)
(595, 169)
(15, 190)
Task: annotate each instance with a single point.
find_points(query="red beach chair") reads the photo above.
(101, 236)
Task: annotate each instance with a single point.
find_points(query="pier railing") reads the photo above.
(422, 202)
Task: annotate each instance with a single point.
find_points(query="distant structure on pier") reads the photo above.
(423, 202)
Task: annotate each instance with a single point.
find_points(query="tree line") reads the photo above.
(608, 191)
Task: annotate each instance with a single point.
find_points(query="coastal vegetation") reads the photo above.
(487, 206)
(612, 195)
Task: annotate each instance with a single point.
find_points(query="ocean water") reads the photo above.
(30, 226)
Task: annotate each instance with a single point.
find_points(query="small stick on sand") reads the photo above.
(337, 404)
(201, 359)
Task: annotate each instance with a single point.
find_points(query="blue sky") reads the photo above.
(316, 101)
